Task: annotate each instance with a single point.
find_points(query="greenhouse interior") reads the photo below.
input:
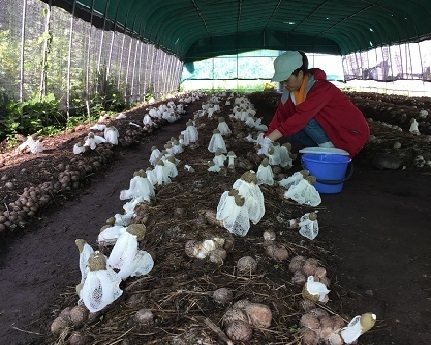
(155, 188)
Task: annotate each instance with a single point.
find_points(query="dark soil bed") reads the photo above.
(373, 236)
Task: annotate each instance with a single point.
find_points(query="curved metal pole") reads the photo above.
(103, 35)
(68, 61)
(138, 43)
(21, 74)
(87, 64)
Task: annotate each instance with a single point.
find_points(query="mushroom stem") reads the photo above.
(218, 331)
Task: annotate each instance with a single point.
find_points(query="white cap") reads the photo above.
(285, 64)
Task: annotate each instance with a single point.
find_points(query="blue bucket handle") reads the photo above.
(349, 175)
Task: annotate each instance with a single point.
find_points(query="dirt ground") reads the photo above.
(373, 240)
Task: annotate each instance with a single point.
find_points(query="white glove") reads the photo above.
(265, 144)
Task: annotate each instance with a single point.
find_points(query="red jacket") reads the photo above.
(342, 121)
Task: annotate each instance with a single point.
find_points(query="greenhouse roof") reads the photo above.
(198, 29)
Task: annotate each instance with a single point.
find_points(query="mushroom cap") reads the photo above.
(305, 173)
(138, 230)
(233, 192)
(96, 261)
(216, 131)
(239, 200)
(171, 159)
(312, 216)
(80, 243)
(368, 320)
(221, 119)
(231, 154)
(265, 162)
(153, 148)
(168, 145)
(311, 179)
(249, 176)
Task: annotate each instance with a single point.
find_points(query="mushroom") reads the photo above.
(219, 158)
(92, 140)
(223, 127)
(304, 192)
(85, 251)
(217, 142)
(155, 153)
(213, 167)
(231, 160)
(308, 225)
(264, 174)
(161, 173)
(233, 213)
(78, 148)
(127, 258)
(111, 134)
(139, 186)
(315, 291)
(357, 326)
(254, 199)
(102, 285)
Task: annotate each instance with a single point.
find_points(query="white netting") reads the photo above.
(316, 288)
(237, 222)
(123, 252)
(123, 219)
(83, 259)
(291, 180)
(171, 168)
(303, 193)
(141, 265)
(155, 153)
(274, 155)
(265, 175)
(129, 207)
(161, 173)
(307, 227)
(110, 235)
(254, 199)
(224, 128)
(353, 330)
(100, 289)
(219, 159)
(151, 175)
(139, 186)
(217, 143)
(225, 205)
(111, 135)
(191, 133)
(285, 160)
(235, 218)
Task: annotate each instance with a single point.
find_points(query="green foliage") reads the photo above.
(33, 115)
